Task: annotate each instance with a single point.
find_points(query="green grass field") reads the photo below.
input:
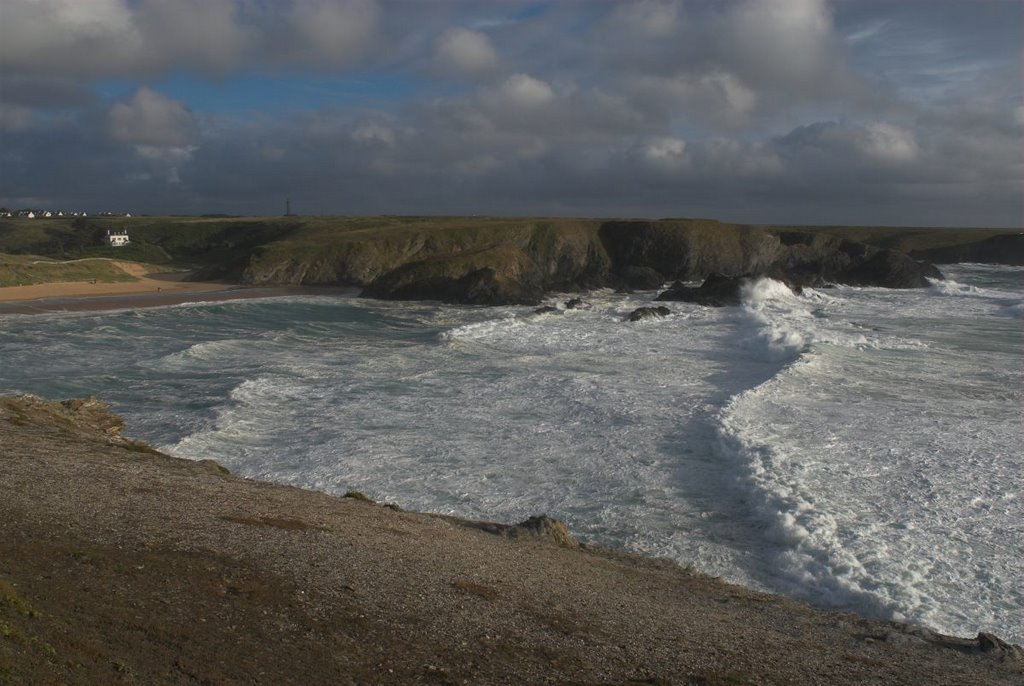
(27, 270)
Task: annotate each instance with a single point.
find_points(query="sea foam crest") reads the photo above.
(951, 287)
(810, 560)
(771, 316)
(482, 331)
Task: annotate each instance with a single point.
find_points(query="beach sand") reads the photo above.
(148, 290)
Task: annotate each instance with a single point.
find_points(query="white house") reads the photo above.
(117, 238)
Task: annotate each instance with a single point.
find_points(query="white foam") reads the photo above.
(886, 437)
(857, 470)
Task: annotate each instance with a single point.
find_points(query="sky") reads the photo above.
(875, 112)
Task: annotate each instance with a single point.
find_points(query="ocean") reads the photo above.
(859, 448)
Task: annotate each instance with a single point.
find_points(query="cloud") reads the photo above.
(787, 42)
(887, 143)
(665, 151)
(645, 19)
(66, 37)
(148, 118)
(875, 145)
(719, 99)
(325, 33)
(203, 35)
(120, 38)
(464, 51)
(520, 92)
(14, 117)
(44, 92)
(774, 110)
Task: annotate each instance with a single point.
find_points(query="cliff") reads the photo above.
(1003, 249)
(505, 262)
(122, 565)
(495, 260)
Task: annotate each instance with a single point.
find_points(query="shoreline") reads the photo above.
(73, 300)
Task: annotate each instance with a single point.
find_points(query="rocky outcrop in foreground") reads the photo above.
(121, 565)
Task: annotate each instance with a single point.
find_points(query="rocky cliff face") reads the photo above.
(677, 250)
(518, 264)
(1006, 249)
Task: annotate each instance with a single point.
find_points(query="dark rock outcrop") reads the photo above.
(716, 291)
(538, 526)
(1005, 249)
(649, 313)
(641, 278)
(685, 249)
(502, 275)
(817, 259)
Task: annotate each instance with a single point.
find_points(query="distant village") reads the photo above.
(48, 214)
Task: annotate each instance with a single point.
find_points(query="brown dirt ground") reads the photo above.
(121, 565)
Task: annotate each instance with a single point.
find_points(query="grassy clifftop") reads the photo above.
(26, 270)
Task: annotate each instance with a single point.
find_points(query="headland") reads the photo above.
(496, 260)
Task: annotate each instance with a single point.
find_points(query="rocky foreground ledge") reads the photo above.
(122, 565)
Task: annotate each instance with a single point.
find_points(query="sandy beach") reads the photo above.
(145, 282)
(148, 290)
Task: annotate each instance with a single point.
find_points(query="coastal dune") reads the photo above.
(137, 279)
(121, 564)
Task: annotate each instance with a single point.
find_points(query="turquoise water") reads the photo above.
(858, 448)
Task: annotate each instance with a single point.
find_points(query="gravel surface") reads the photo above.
(122, 565)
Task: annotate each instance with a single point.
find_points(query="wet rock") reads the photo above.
(716, 291)
(649, 313)
(538, 526)
(577, 304)
(545, 527)
(547, 309)
(641, 278)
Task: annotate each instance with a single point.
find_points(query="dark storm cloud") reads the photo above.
(757, 110)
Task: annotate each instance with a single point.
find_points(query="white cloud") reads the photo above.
(888, 143)
(667, 152)
(647, 18)
(151, 119)
(374, 133)
(103, 38)
(520, 92)
(872, 147)
(785, 39)
(199, 34)
(333, 33)
(164, 162)
(466, 51)
(719, 98)
(65, 35)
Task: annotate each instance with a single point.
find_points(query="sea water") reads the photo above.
(859, 448)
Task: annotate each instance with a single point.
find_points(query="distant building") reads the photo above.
(117, 238)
